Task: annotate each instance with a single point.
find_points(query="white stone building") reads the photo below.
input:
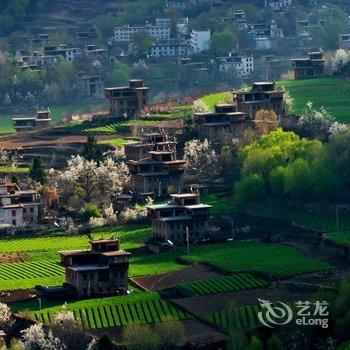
(125, 33)
(243, 65)
(200, 40)
(17, 207)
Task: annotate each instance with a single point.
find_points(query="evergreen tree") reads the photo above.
(37, 171)
(91, 150)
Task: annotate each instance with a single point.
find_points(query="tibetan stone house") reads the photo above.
(101, 270)
(154, 167)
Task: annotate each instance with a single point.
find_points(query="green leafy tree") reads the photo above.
(37, 171)
(222, 42)
(88, 211)
(297, 181)
(120, 74)
(249, 189)
(143, 43)
(137, 337)
(91, 150)
(171, 332)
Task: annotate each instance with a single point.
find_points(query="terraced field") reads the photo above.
(42, 252)
(223, 284)
(316, 221)
(342, 237)
(213, 99)
(115, 127)
(333, 93)
(28, 274)
(130, 237)
(118, 311)
(272, 259)
(116, 142)
(243, 318)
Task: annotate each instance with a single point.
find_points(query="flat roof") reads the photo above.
(111, 240)
(175, 218)
(162, 206)
(88, 267)
(116, 253)
(198, 206)
(184, 195)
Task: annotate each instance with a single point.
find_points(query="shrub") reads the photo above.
(88, 211)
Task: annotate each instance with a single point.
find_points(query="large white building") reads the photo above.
(125, 33)
(18, 208)
(278, 5)
(243, 65)
(170, 48)
(200, 40)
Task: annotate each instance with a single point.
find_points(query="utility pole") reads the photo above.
(188, 240)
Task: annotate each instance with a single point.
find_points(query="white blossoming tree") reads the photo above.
(36, 338)
(201, 158)
(315, 121)
(91, 180)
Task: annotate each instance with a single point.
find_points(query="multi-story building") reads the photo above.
(174, 47)
(309, 68)
(102, 270)
(181, 24)
(126, 33)
(263, 95)
(224, 120)
(62, 51)
(278, 5)
(344, 41)
(90, 85)
(40, 121)
(154, 167)
(200, 40)
(127, 100)
(184, 219)
(243, 65)
(265, 30)
(19, 208)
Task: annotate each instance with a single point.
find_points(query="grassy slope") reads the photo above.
(11, 170)
(333, 93)
(317, 221)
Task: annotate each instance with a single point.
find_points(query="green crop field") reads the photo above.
(115, 127)
(243, 318)
(130, 237)
(342, 237)
(213, 99)
(317, 221)
(222, 203)
(223, 284)
(333, 93)
(116, 142)
(27, 275)
(272, 259)
(42, 252)
(12, 170)
(117, 311)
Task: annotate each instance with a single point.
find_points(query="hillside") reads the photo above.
(332, 93)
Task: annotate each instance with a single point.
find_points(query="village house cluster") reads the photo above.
(234, 118)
